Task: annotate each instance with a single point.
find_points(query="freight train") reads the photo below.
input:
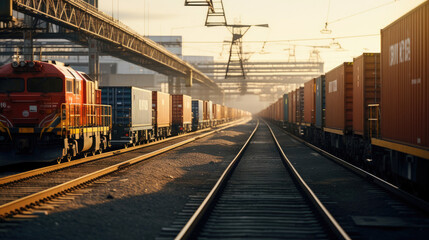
(374, 111)
(49, 111)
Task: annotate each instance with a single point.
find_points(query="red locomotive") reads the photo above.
(48, 111)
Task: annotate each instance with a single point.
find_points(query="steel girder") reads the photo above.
(88, 20)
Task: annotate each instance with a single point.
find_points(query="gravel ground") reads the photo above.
(137, 202)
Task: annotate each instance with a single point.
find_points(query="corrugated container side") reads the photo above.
(309, 101)
(292, 114)
(197, 110)
(285, 107)
(320, 101)
(339, 97)
(300, 105)
(210, 110)
(280, 109)
(131, 106)
(366, 89)
(161, 105)
(405, 85)
(182, 113)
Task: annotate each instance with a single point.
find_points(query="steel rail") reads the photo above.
(409, 198)
(333, 224)
(40, 171)
(193, 222)
(34, 199)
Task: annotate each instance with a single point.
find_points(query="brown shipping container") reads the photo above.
(339, 98)
(366, 89)
(161, 105)
(300, 105)
(217, 111)
(309, 101)
(290, 107)
(404, 84)
(182, 112)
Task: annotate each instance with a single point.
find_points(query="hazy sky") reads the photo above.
(288, 20)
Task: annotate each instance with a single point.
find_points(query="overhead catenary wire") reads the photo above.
(287, 40)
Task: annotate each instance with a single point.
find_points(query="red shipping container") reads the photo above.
(339, 99)
(366, 89)
(405, 74)
(161, 105)
(182, 109)
(310, 102)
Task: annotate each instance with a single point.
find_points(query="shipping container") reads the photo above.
(182, 113)
(309, 102)
(217, 112)
(285, 107)
(161, 107)
(131, 113)
(292, 108)
(404, 100)
(197, 110)
(299, 105)
(339, 99)
(197, 114)
(366, 89)
(210, 110)
(320, 102)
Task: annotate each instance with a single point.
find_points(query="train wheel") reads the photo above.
(85, 154)
(69, 157)
(59, 160)
(100, 151)
(93, 153)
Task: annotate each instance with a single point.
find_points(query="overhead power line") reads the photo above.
(288, 40)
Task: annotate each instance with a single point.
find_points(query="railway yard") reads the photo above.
(110, 129)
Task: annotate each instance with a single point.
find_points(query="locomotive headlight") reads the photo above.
(22, 63)
(15, 64)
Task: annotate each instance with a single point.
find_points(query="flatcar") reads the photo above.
(50, 111)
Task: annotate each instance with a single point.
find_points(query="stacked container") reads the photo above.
(405, 75)
(366, 89)
(300, 105)
(339, 99)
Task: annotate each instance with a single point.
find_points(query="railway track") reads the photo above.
(369, 207)
(31, 189)
(257, 197)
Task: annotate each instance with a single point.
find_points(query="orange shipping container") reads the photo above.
(405, 78)
(339, 99)
(309, 101)
(366, 89)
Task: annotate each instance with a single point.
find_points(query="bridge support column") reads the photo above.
(28, 50)
(94, 60)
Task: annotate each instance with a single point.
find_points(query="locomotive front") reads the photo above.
(39, 103)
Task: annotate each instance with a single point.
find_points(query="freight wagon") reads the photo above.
(131, 114)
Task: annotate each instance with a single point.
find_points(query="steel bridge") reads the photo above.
(83, 22)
